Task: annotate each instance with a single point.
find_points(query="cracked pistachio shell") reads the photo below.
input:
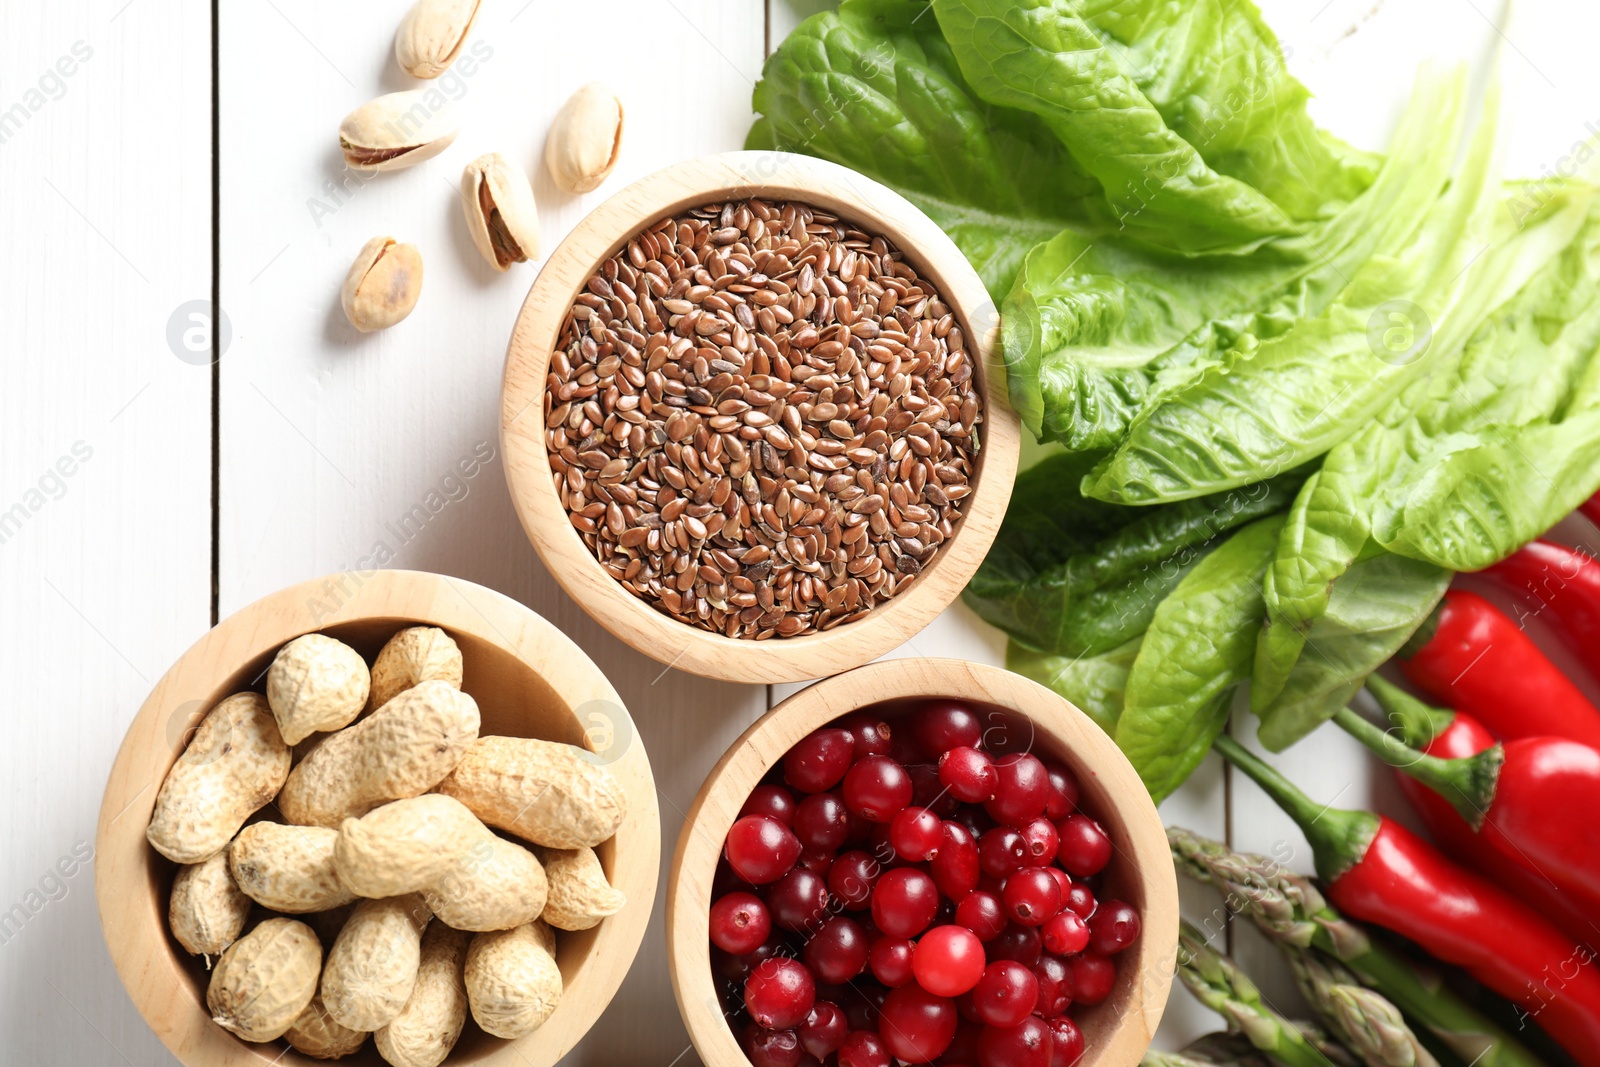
(431, 35)
(584, 140)
(383, 284)
(501, 213)
(397, 130)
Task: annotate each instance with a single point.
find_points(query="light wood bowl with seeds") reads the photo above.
(1019, 715)
(528, 679)
(958, 496)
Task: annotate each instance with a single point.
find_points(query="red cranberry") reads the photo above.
(877, 788)
(1062, 800)
(1019, 944)
(975, 819)
(1063, 880)
(917, 1026)
(861, 1001)
(1031, 896)
(1080, 900)
(1113, 927)
(904, 902)
(1067, 1039)
(818, 760)
(956, 868)
(761, 849)
(773, 800)
(824, 1030)
(1028, 1044)
(798, 900)
(915, 834)
(1039, 838)
(837, 952)
(982, 913)
(864, 1049)
(772, 1048)
(1085, 848)
(1024, 787)
(1065, 934)
(870, 732)
(928, 792)
(1092, 978)
(890, 959)
(851, 878)
(963, 1051)
(940, 725)
(1055, 986)
(948, 961)
(779, 994)
(818, 863)
(822, 822)
(1005, 994)
(739, 923)
(969, 774)
(1002, 851)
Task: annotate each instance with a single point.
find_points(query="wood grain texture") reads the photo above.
(775, 176)
(104, 467)
(528, 680)
(1024, 716)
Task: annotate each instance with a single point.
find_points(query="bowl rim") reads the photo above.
(764, 744)
(150, 967)
(735, 175)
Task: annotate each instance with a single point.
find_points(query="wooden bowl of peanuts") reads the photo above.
(1009, 716)
(283, 822)
(753, 420)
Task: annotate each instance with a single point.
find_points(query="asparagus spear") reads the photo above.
(1366, 1021)
(1289, 908)
(1218, 983)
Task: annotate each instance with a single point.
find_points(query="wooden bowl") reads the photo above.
(777, 176)
(1118, 1030)
(529, 681)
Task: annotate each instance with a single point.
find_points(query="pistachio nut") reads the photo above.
(431, 35)
(585, 138)
(397, 130)
(501, 214)
(383, 284)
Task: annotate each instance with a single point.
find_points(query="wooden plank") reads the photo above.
(333, 442)
(104, 467)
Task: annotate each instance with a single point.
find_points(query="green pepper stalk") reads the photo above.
(1365, 1020)
(1218, 983)
(1468, 783)
(1291, 910)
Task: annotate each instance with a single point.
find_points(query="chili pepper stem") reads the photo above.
(1467, 783)
(1338, 838)
(1420, 725)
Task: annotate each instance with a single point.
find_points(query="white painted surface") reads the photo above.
(329, 438)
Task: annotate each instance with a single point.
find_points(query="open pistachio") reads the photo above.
(585, 138)
(397, 130)
(383, 284)
(501, 214)
(431, 35)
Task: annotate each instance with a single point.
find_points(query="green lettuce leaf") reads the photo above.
(1373, 610)
(1288, 399)
(1097, 328)
(875, 87)
(1094, 684)
(1196, 651)
(1072, 576)
(1044, 57)
(1465, 465)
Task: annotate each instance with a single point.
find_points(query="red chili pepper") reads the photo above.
(1452, 735)
(1561, 582)
(1530, 800)
(1379, 872)
(1470, 656)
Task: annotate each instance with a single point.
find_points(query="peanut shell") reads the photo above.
(545, 792)
(316, 684)
(288, 868)
(513, 984)
(316, 1034)
(207, 910)
(372, 967)
(579, 895)
(265, 980)
(428, 1027)
(414, 655)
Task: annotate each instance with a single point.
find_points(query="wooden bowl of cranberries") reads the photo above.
(922, 861)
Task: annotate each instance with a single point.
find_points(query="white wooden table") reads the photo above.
(144, 493)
